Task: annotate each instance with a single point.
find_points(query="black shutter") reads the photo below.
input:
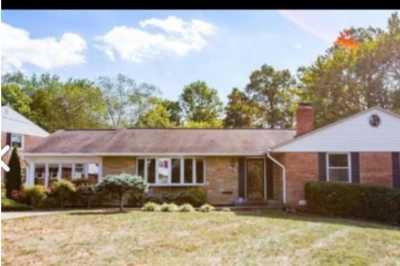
(355, 167)
(396, 169)
(8, 139)
(270, 179)
(322, 166)
(242, 170)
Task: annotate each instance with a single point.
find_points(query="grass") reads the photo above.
(218, 238)
(12, 205)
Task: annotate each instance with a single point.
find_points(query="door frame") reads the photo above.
(264, 176)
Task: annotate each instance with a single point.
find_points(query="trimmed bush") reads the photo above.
(151, 207)
(63, 190)
(195, 196)
(207, 208)
(354, 201)
(33, 195)
(186, 208)
(12, 205)
(13, 179)
(169, 207)
(84, 194)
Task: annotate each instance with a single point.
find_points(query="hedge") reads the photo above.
(354, 201)
(12, 205)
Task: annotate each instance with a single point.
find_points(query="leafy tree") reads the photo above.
(121, 185)
(215, 123)
(200, 102)
(272, 90)
(240, 112)
(13, 177)
(157, 117)
(175, 111)
(12, 95)
(125, 100)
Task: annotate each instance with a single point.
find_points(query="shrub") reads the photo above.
(63, 190)
(13, 177)
(34, 194)
(11, 205)
(186, 208)
(120, 185)
(207, 208)
(169, 207)
(195, 196)
(151, 207)
(84, 194)
(353, 200)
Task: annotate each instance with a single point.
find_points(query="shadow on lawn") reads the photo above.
(313, 218)
(100, 212)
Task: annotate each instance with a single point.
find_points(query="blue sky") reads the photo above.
(170, 49)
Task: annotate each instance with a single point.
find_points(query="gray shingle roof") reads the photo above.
(164, 141)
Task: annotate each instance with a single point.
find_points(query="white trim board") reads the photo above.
(351, 134)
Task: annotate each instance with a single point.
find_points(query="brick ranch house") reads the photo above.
(250, 165)
(18, 131)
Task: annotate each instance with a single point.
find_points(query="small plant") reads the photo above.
(34, 194)
(121, 185)
(169, 207)
(206, 208)
(63, 190)
(186, 208)
(151, 207)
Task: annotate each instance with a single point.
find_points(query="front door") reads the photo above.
(255, 180)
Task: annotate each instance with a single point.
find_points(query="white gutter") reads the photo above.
(283, 175)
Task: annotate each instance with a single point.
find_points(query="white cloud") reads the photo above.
(18, 49)
(154, 37)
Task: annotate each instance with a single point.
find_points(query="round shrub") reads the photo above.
(169, 207)
(151, 207)
(207, 208)
(63, 190)
(34, 194)
(195, 196)
(186, 208)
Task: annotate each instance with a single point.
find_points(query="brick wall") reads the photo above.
(118, 165)
(301, 168)
(376, 168)
(222, 179)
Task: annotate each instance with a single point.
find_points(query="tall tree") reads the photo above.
(200, 102)
(13, 177)
(175, 111)
(241, 112)
(272, 90)
(126, 100)
(12, 95)
(157, 117)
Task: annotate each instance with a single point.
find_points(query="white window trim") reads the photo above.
(350, 179)
(182, 171)
(22, 141)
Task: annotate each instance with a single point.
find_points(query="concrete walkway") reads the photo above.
(21, 214)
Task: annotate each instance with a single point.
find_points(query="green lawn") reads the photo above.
(218, 238)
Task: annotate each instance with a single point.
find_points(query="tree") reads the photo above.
(13, 177)
(12, 95)
(352, 78)
(273, 92)
(125, 100)
(215, 123)
(121, 185)
(175, 111)
(157, 117)
(200, 103)
(240, 112)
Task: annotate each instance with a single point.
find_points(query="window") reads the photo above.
(176, 171)
(66, 171)
(40, 171)
(16, 140)
(338, 169)
(93, 172)
(79, 171)
(172, 171)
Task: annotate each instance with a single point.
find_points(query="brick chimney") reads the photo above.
(304, 119)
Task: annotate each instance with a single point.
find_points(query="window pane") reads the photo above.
(338, 160)
(340, 175)
(199, 171)
(176, 171)
(53, 173)
(188, 170)
(16, 140)
(93, 172)
(151, 171)
(163, 170)
(66, 171)
(79, 171)
(141, 168)
(39, 174)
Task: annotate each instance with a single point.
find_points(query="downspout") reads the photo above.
(284, 198)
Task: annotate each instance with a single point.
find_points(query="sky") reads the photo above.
(171, 49)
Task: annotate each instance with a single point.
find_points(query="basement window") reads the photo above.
(338, 167)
